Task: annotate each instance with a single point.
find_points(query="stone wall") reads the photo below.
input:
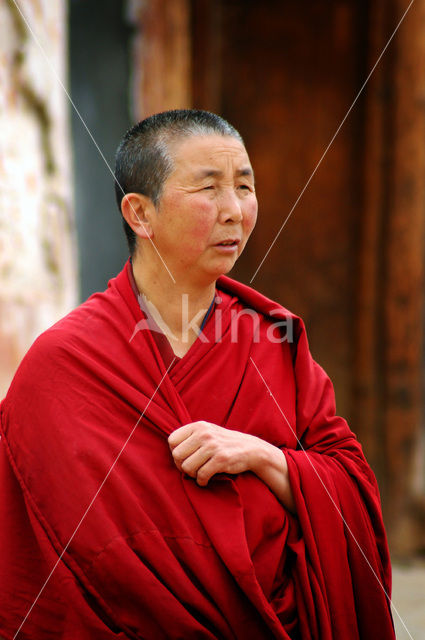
(37, 250)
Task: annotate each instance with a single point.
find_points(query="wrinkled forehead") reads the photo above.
(204, 151)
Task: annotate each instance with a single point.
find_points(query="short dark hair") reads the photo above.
(143, 160)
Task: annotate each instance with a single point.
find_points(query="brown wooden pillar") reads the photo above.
(405, 269)
(368, 359)
(390, 319)
(208, 65)
(162, 60)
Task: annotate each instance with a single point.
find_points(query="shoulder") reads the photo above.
(78, 326)
(253, 298)
(273, 312)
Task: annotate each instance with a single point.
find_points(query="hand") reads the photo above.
(202, 449)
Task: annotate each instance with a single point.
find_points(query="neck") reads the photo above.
(181, 305)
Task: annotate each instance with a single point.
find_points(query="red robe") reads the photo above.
(155, 556)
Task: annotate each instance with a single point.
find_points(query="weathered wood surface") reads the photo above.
(37, 252)
(388, 371)
(162, 56)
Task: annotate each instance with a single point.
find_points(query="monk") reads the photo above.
(171, 463)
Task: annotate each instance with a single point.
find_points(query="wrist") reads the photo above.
(265, 456)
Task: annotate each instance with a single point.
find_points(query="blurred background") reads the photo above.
(350, 259)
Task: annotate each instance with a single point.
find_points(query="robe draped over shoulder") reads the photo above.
(101, 535)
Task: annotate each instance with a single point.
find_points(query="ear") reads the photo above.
(137, 210)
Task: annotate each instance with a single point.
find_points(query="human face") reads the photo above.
(207, 209)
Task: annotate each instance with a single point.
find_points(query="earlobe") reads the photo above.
(136, 210)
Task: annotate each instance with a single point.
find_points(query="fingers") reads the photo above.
(185, 448)
(205, 473)
(201, 466)
(189, 453)
(184, 441)
(192, 447)
(181, 434)
(193, 464)
(202, 449)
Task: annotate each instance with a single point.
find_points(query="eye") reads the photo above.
(210, 187)
(245, 187)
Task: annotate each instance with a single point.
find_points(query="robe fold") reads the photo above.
(101, 535)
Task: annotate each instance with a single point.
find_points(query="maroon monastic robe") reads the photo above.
(149, 554)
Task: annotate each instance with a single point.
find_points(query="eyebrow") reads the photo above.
(216, 173)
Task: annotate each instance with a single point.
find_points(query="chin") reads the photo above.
(225, 269)
(211, 276)
(213, 271)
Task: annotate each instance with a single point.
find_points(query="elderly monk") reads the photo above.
(171, 463)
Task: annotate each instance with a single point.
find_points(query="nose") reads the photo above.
(230, 207)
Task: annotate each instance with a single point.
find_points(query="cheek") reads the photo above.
(250, 216)
(201, 226)
(195, 232)
(201, 223)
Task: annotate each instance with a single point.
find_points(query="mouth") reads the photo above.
(231, 242)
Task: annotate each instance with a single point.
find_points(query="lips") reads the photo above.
(230, 242)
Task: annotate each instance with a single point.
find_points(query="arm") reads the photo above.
(202, 449)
